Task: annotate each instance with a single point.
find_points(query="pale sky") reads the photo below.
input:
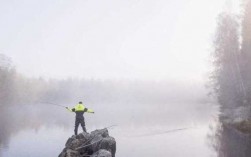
(135, 39)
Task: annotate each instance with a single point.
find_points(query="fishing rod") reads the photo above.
(110, 126)
(53, 104)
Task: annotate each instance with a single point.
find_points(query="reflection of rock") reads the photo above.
(235, 140)
(96, 144)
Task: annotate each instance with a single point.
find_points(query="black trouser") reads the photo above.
(77, 122)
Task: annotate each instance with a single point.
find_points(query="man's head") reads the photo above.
(80, 102)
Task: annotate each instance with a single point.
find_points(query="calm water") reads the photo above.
(134, 138)
(50, 141)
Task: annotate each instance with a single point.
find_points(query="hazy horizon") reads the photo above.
(154, 40)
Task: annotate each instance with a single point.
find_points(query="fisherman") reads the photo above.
(80, 109)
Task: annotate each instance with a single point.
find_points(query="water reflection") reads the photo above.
(228, 141)
(14, 119)
(45, 143)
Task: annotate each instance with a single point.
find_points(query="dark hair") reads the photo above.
(80, 102)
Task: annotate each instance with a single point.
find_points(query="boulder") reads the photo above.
(102, 153)
(235, 140)
(98, 143)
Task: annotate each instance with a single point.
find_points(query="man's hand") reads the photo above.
(90, 111)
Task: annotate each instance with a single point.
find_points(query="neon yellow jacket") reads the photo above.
(80, 109)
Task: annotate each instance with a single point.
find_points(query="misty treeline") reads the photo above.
(18, 89)
(232, 64)
(231, 81)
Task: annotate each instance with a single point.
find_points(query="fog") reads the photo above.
(124, 103)
(97, 39)
(144, 66)
(138, 108)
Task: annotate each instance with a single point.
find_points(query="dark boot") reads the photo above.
(75, 131)
(84, 129)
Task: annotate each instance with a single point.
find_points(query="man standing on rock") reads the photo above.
(80, 109)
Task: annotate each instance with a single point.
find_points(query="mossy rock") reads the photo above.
(243, 126)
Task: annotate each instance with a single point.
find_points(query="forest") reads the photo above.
(18, 89)
(231, 78)
(231, 82)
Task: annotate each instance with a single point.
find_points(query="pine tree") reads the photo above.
(227, 78)
(246, 52)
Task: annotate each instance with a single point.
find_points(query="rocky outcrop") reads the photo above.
(235, 140)
(98, 143)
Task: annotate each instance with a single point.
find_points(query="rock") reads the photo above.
(235, 140)
(98, 143)
(243, 126)
(102, 153)
(107, 143)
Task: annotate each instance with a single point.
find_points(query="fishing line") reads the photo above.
(164, 132)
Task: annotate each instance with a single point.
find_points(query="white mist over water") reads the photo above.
(134, 137)
(50, 142)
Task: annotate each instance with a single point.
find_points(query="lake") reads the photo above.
(34, 134)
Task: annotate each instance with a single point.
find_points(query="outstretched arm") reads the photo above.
(89, 110)
(69, 109)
